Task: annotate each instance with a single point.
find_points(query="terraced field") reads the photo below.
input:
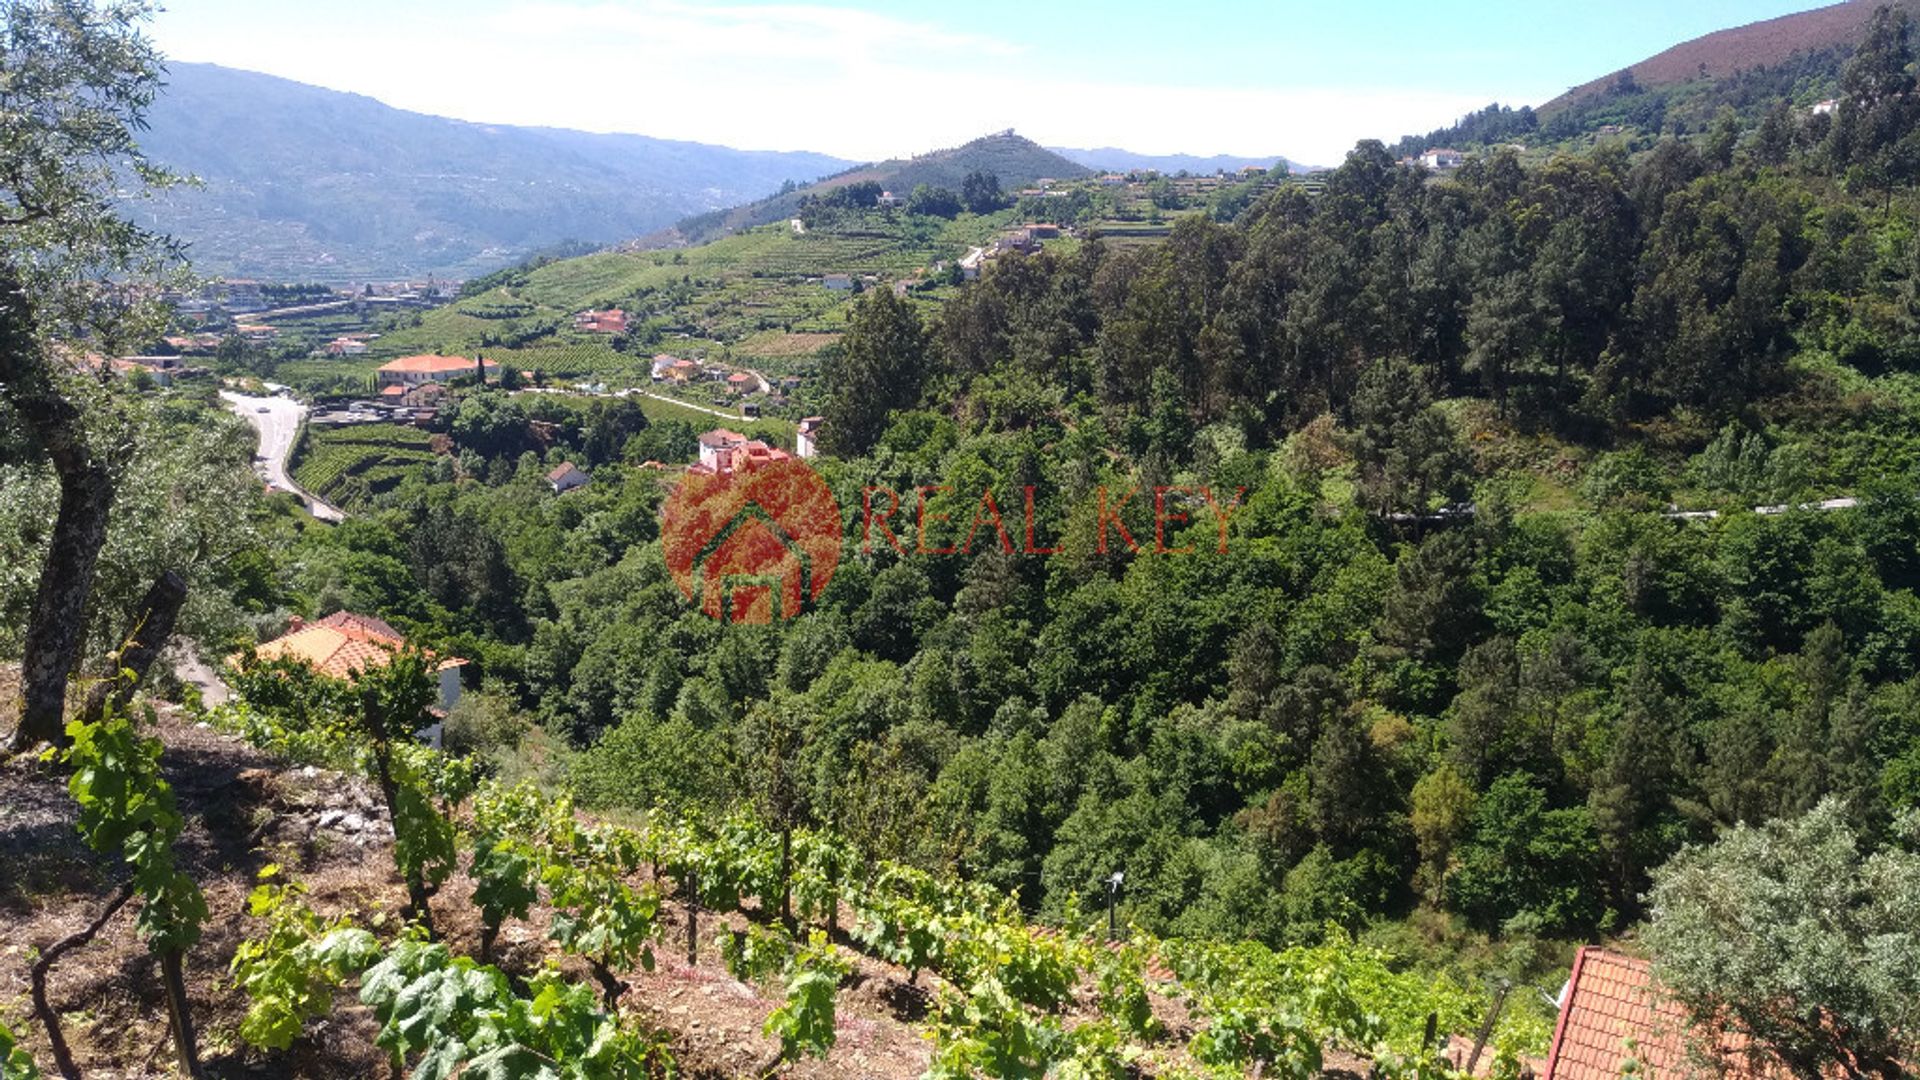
(348, 465)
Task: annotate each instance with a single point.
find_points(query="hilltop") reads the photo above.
(1017, 161)
(308, 184)
(1722, 53)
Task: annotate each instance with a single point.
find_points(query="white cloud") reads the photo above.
(791, 76)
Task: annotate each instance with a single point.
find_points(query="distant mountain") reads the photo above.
(303, 183)
(1113, 159)
(1741, 48)
(1017, 161)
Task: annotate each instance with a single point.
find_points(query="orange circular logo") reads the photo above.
(752, 544)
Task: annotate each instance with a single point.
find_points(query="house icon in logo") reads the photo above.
(752, 545)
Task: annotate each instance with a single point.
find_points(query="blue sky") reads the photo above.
(867, 80)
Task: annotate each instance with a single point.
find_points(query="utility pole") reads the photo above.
(1486, 1028)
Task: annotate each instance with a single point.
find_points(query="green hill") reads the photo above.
(1015, 160)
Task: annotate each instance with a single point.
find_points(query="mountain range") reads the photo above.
(303, 183)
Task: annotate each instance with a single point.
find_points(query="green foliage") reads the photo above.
(290, 972)
(1279, 1008)
(15, 1062)
(1798, 936)
(127, 809)
(457, 1018)
(876, 370)
(985, 1032)
(804, 1022)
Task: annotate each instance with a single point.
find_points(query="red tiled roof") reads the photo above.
(341, 644)
(364, 624)
(721, 437)
(428, 363)
(1614, 1012)
(1611, 999)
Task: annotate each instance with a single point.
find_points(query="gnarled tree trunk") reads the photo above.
(56, 628)
(141, 646)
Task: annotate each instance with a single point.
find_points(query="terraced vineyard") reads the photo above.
(347, 465)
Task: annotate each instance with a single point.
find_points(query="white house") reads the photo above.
(1441, 158)
(806, 440)
(567, 476)
(717, 446)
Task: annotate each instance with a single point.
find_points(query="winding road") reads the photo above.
(277, 421)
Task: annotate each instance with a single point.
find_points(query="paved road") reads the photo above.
(277, 420)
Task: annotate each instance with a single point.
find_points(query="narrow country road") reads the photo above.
(277, 421)
(735, 417)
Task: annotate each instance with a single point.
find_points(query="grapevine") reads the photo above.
(15, 1063)
(127, 808)
(290, 973)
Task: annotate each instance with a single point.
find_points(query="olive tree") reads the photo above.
(1793, 936)
(77, 280)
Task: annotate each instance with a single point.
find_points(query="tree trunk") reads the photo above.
(141, 645)
(43, 967)
(56, 628)
(179, 1018)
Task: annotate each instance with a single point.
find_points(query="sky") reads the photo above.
(868, 80)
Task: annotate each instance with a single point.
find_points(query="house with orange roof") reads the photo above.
(429, 367)
(1616, 1020)
(724, 452)
(344, 644)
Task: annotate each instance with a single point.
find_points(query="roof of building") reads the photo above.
(429, 363)
(1611, 998)
(363, 624)
(739, 376)
(340, 645)
(563, 470)
(812, 422)
(721, 437)
(396, 390)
